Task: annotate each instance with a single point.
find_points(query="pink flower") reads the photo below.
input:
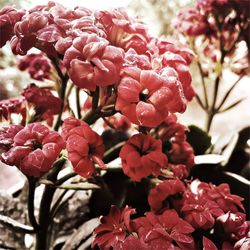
(234, 226)
(192, 22)
(84, 146)
(120, 123)
(243, 243)
(113, 229)
(34, 149)
(123, 31)
(37, 64)
(167, 230)
(7, 135)
(92, 62)
(176, 67)
(181, 154)
(145, 97)
(165, 189)
(42, 99)
(13, 106)
(8, 17)
(142, 156)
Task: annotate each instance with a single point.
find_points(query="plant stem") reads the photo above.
(31, 195)
(78, 106)
(228, 93)
(44, 212)
(203, 84)
(64, 80)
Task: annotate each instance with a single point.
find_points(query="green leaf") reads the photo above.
(198, 139)
(79, 186)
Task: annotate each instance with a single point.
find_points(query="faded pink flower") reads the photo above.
(92, 62)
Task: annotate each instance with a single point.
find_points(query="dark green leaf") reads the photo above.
(198, 139)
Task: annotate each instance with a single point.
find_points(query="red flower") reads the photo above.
(166, 230)
(43, 100)
(199, 211)
(8, 17)
(222, 196)
(182, 153)
(145, 97)
(34, 149)
(163, 191)
(208, 244)
(37, 64)
(131, 243)
(84, 146)
(198, 208)
(180, 171)
(114, 227)
(142, 156)
(92, 62)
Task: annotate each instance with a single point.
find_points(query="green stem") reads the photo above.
(31, 195)
(44, 212)
(228, 93)
(64, 80)
(78, 106)
(113, 152)
(203, 84)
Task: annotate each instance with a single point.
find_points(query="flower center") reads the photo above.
(144, 95)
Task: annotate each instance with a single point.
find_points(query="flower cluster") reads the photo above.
(220, 24)
(96, 51)
(196, 206)
(33, 148)
(38, 66)
(84, 146)
(133, 84)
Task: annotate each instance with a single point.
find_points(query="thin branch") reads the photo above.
(203, 84)
(228, 93)
(232, 105)
(15, 225)
(200, 102)
(65, 178)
